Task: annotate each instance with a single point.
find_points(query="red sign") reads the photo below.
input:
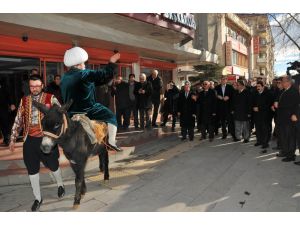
(228, 53)
(256, 45)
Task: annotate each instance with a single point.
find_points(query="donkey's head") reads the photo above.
(54, 123)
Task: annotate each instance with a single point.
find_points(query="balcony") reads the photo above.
(261, 60)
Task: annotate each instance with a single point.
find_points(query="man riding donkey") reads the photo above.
(78, 85)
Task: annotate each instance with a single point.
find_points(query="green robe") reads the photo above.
(79, 85)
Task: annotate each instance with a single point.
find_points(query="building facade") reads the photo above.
(263, 45)
(146, 41)
(226, 35)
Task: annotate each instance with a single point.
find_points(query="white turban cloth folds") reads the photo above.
(75, 56)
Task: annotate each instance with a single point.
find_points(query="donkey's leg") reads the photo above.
(78, 170)
(83, 188)
(106, 162)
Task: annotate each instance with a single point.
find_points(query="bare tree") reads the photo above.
(286, 29)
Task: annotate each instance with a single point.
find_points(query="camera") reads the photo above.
(25, 37)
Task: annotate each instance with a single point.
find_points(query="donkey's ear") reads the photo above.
(66, 106)
(43, 108)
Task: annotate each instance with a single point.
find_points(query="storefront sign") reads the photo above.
(181, 18)
(228, 53)
(256, 45)
(239, 47)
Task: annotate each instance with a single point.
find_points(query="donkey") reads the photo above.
(59, 129)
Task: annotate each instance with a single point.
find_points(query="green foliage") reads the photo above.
(209, 71)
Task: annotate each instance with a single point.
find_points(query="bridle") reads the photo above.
(63, 129)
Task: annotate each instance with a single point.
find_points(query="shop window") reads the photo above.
(52, 69)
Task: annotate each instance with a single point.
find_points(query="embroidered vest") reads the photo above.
(27, 115)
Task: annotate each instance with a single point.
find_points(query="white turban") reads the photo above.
(75, 56)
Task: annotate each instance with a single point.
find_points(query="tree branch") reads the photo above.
(294, 42)
(294, 18)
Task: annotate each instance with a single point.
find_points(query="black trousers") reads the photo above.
(134, 110)
(225, 121)
(143, 113)
(288, 138)
(33, 155)
(207, 125)
(263, 131)
(125, 113)
(165, 117)
(4, 125)
(187, 130)
(155, 112)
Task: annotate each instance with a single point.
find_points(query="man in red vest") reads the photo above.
(29, 118)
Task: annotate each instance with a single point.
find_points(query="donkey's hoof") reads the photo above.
(75, 206)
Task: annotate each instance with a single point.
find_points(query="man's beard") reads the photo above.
(36, 94)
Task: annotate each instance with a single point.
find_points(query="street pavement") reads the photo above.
(167, 174)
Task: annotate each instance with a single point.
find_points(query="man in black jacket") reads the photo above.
(241, 109)
(170, 104)
(186, 110)
(120, 90)
(143, 94)
(53, 88)
(6, 105)
(287, 119)
(224, 99)
(262, 104)
(132, 100)
(277, 95)
(157, 85)
(207, 110)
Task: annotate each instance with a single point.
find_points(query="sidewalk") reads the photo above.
(13, 171)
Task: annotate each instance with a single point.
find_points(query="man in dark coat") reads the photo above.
(224, 98)
(277, 95)
(262, 104)
(287, 119)
(241, 110)
(186, 108)
(54, 88)
(157, 85)
(206, 101)
(170, 105)
(121, 92)
(78, 84)
(132, 99)
(6, 105)
(143, 94)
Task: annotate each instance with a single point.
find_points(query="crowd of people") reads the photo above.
(238, 109)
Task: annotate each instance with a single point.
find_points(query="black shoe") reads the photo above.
(163, 125)
(114, 148)
(280, 155)
(246, 141)
(173, 129)
(265, 146)
(211, 139)
(202, 138)
(257, 144)
(191, 139)
(263, 151)
(289, 159)
(297, 163)
(236, 139)
(276, 148)
(61, 191)
(183, 138)
(224, 136)
(154, 125)
(36, 205)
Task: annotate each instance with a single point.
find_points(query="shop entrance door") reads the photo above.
(14, 73)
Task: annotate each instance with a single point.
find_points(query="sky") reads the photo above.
(289, 53)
